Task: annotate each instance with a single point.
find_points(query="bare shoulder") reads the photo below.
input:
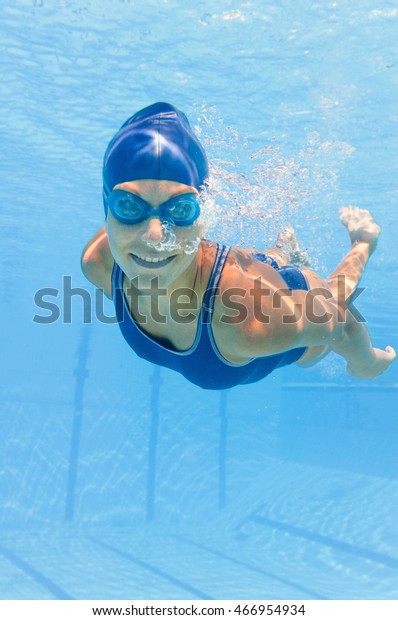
(248, 315)
(97, 261)
(257, 315)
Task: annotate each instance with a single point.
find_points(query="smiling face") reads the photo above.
(141, 249)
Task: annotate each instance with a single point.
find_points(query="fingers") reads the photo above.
(391, 353)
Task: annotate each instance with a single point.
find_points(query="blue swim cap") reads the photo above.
(156, 143)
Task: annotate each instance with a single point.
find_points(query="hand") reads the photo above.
(381, 361)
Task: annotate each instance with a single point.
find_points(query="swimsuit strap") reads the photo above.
(212, 286)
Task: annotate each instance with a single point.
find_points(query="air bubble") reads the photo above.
(254, 193)
(170, 243)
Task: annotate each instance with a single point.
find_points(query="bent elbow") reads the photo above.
(86, 264)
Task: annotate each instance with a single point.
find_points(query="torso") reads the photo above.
(240, 266)
(208, 360)
(240, 271)
(178, 336)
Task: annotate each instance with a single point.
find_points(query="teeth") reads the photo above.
(152, 260)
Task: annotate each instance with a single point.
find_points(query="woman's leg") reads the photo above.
(286, 250)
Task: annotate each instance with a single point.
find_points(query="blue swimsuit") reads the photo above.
(202, 363)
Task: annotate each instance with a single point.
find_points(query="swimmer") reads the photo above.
(220, 316)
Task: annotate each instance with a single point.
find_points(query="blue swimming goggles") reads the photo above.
(181, 210)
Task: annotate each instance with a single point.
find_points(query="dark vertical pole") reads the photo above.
(156, 381)
(222, 451)
(81, 374)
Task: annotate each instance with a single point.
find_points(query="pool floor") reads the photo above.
(260, 556)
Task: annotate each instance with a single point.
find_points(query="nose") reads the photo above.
(154, 229)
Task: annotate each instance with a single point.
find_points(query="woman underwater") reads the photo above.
(220, 316)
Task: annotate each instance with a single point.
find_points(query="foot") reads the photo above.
(288, 243)
(360, 225)
(381, 361)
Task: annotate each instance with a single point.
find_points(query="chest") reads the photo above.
(178, 330)
(172, 328)
(176, 321)
(171, 320)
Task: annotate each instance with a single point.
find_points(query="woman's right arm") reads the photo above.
(97, 262)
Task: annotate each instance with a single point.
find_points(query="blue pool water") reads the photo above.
(121, 480)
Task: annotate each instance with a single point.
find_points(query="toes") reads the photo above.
(355, 218)
(346, 214)
(287, 232)
(289, 229)
(353, 212)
